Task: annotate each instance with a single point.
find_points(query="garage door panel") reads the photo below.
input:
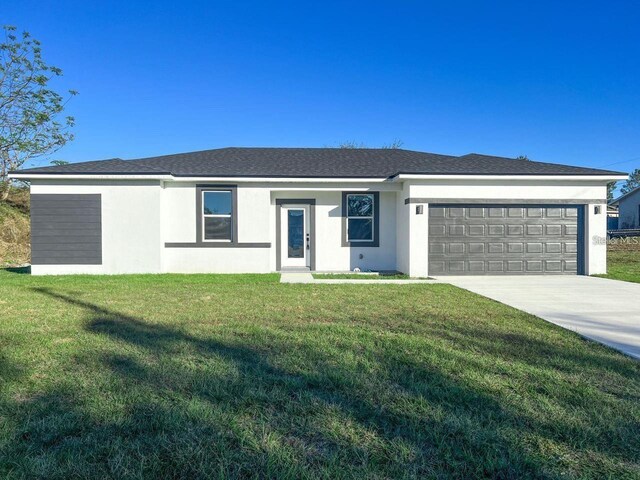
(535, 230)
(496, 247)
(437, 247)
(496, 266)
(476, 266)
(515, 247)
(437, 230)
(534, 265)
(476, 248)
(456, 248)
(571, 266)
(570, 247)
(514, 266)
(489, 240)
(456, 230)
(534, 212)
(436, 212)
(496, 230)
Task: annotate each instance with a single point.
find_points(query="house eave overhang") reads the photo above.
(202, 178)
(400, 177)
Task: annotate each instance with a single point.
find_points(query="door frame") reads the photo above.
(312, 228)
(303, 259)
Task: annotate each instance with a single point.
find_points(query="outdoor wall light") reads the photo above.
(419, 209)
(597, 209)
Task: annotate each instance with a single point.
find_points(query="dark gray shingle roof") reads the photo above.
(316, 162)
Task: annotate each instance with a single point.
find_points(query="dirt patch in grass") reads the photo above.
(15, 234)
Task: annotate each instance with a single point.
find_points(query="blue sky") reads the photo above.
(557, 81)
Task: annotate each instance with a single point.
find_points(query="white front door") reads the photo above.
(294, 235)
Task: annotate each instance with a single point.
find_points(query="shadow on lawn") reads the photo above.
(234, 410)
(19, 270)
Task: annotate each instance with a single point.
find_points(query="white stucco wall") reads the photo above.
(508, 189)
(130, 225)
(402, 226)
(216, 260)
(179, 226)
(330, 254)
(139, 217)
(595, 239)
(525, 190)
(179, 213)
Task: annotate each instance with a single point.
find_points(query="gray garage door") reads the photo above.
(504, 239)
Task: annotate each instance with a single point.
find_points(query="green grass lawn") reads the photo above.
(360, 276)
(208, 376)
(623, 263)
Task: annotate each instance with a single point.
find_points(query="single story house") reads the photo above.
(234, 210)
(628, 209)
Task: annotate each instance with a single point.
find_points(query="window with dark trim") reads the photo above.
(217, 218)
(216, 210)
(360, 219)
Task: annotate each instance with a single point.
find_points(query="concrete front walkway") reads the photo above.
(603, 310)
(296, 277)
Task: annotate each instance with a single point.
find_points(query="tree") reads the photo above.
(632, 182)
(395, 144)
(30, 111)
(59, 162)
(523, 157)
(611, 188)
(351, 144)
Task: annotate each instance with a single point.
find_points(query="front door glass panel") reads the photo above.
(295, 233)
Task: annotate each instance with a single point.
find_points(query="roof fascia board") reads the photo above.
(402, 177)
(49, 176)
(396, 178)
(78, 176)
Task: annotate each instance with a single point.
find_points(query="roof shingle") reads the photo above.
(316, 163)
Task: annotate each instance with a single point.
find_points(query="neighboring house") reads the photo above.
(628, 209)
(271, 209)
(612, 217)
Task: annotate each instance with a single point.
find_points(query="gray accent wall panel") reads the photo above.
(66, 229)
(503, 239)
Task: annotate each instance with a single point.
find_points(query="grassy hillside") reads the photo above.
(15, 243)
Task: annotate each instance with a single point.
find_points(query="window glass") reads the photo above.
(217, 228)
(217, 203)
(360, 229)
(360, 205)
(296, 233)
(360, 209)
(216, 211)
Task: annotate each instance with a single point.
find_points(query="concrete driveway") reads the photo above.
(606, 311)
